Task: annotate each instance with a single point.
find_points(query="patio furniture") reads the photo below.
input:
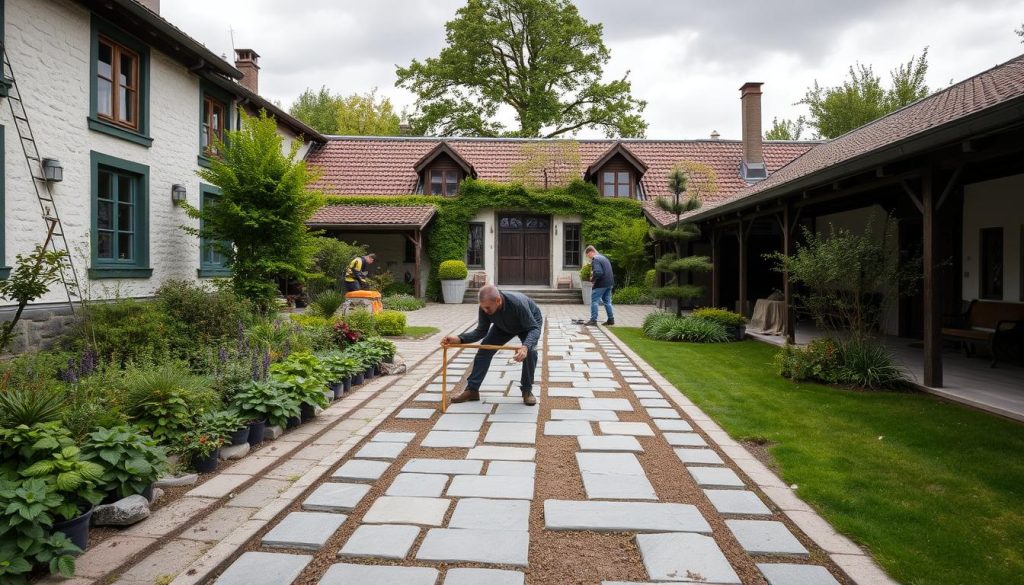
(994, 324)
(769, 317)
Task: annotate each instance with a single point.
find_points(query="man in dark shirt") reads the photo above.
(502, 317)
(603, 279)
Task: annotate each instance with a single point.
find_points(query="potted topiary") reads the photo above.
(452, 274)
(586, 286)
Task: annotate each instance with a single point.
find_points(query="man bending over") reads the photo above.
(503, 315)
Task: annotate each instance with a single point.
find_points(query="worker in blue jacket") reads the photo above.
(603, 279)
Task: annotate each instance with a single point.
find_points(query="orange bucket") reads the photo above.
(370, 297)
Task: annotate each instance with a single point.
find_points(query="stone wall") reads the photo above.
(39, 327)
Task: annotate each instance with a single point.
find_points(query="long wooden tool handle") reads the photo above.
(487, 347)
(444, 379)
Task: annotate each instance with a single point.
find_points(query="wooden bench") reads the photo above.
(997, 325)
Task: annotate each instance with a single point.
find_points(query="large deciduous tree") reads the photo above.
(358, 114)
(539, 58)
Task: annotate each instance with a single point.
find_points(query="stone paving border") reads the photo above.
(855, 562)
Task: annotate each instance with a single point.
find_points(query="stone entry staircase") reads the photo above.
(541, 296)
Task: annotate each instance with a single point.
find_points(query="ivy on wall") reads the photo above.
(448, 236)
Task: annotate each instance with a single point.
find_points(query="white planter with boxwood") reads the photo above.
(585, 284)
(453, 275)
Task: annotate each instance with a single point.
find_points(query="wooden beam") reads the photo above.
(716, 266)
(949, 187)
(913, 196)
(417, 241)
(743, 234)
(930, 257)
(788, 314)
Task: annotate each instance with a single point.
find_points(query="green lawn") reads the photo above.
(934, 490)
(418, 332)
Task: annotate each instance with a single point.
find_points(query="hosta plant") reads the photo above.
(132, 459)
(304, 377)
(29, 512)
(266, 400)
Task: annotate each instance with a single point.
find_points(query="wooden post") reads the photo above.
(788, 314)
(417, 241)
(741, 235)
(715, 266)
(932, 326)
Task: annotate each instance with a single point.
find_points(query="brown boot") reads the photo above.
(467, 396)
(529, 399)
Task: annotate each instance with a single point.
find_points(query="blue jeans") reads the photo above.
(601, 296)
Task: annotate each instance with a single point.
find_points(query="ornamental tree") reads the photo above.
(259, 220)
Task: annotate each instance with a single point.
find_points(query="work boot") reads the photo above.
(529, 399)
(591, 323)
(467, 396)
(609, 322)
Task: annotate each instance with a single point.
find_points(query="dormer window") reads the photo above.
(617, 184)
(443, 182)
(441, 170)
(617, 173)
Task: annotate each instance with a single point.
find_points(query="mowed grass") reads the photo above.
(934, 490)
(419, 331)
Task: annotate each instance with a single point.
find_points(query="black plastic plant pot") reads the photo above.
(206, 464)
(346, 384)
(308, 412)
(148, 492)
(370, 373)
(257, 429)
(240, 436)
(293, 421)
(357, 379)
(76, 529)
(338, 388)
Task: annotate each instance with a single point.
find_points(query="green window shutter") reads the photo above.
(212, 263)
(120, 218)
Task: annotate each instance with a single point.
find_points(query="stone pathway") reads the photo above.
(449, 498)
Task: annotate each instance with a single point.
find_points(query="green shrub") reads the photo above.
(403, 302)
(29, 406)
(452, 270)
(818, 360)
(657, 323)
(668, 327)
(869, 364)
(164, 399)
(198, 317)
(310, 320)
(131, 460)
(123, 331)
(586, 271)
(649, 277)
(327, 303)
(266, 400)
(632, 295)
(93, 402)
(361, 321)
(391, 323)
(398, 288)
(721, 316)
(303, 377)
(330, 259)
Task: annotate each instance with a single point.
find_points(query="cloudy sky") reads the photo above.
(686, 59)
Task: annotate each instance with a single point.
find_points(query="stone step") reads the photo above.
(547, 296)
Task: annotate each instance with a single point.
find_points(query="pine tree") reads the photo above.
(675, 263)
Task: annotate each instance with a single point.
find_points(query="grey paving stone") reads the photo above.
(618, 487)
(335, 497)
(655, 403)
(699, 456)
(715, 477)
(515, 487)
(567, 428)
(787, 574)
(620, 404)
(407, 510)
(508, 400)
(260, 568)
(448, 466)
(392, 437)
(609, 464)
(470, 408)
(737, 502)
(623, 516)
(519, 433)
(463, 576)
(570, 393)
(610, 443)
(643, 387)
(459, 422)
(644, 394)
(307, 530)
(685, 440)
(450, 439)
(637, 429)
(663, 413)
(425, 485)
(416, 413)
(346, 574)
(502, 453)
(766, 537)
(502, 547)
(388, 541)
(569, 414)
(682, 556)
(381, 450)
(489, 514)
(360, 470)
(516, 407)
(517, 468)
(524, 417)
(673, 425)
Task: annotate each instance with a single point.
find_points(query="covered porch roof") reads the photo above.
(380, 217)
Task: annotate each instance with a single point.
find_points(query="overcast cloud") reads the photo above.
(686, 59)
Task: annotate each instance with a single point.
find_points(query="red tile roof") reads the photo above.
(985, 90)
(385, 166)
(373, 215)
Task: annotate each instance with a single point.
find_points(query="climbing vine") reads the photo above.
(448, 236)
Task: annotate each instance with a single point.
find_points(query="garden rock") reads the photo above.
(272, 433)
(397, 366)
(157, 494)
(180, 480)
(229, 452)
(124, 512)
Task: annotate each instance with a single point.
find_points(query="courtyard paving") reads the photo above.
(613, 478)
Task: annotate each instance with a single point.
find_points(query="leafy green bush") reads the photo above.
(164, 399)
(327, 303)
(29, 406)
(403, 302)
(123, 331)
(304, 377)
(391, 323)
(386, 348)
(452, 270)
(266, 400)
(667, 327)
(330, 259)
(198, 317)
(722, 316)
(649, 277)
(586, 271)
(94, 401)
(657, 323)
(310, 320)
(361, 321)
(632, 295)
(869, 364)
(132, 460)
(818, 360)
(30, 509)
(398, 288)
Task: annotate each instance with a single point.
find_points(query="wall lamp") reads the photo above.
(52, 171)
(178, 193)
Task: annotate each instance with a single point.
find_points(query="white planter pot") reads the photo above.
(587, 287)
(454, 291)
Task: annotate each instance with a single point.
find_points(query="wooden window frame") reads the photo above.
(483, 246)
(565, 244)
(117, 51)
(445, 173)
(209, 103)
(630, 183)
(121, 43)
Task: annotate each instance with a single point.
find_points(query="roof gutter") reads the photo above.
(1000, 116)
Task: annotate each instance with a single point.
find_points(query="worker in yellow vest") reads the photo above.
(355, 274)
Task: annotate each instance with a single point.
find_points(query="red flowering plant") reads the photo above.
(344, 335)
(199, 443)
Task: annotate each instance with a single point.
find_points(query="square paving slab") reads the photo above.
(685, 440)
(610, 443)
(682, 556)
(260, 568)
(415, 413)
(381, 450)
(503, 453)
(500, 547)
(515, 487)
(487, 514)
(655, 403)
(786, 574)
(519, 468)
(361, 470)
(568, 428)
(459, 422)
(521, 433)
(388, 541)
(646, 394)
(570, 393)
(308, 530)
(407, 510)
(336, 497)
(715, 477)
(426, 485)
(524, 417)
(610, 464)
(620, 404)
(765, 537)
(673, 425)
(345, 574)
(699, 456)
(623, 517)
(442, 439)
(638, 429)
(449, 466)
(618, 487)
(737, 502)
(464, 576)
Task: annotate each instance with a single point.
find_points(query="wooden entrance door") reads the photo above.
(524, 249)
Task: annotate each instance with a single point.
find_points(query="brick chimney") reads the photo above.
(153, 5)
(753, 168)
(246, 61)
